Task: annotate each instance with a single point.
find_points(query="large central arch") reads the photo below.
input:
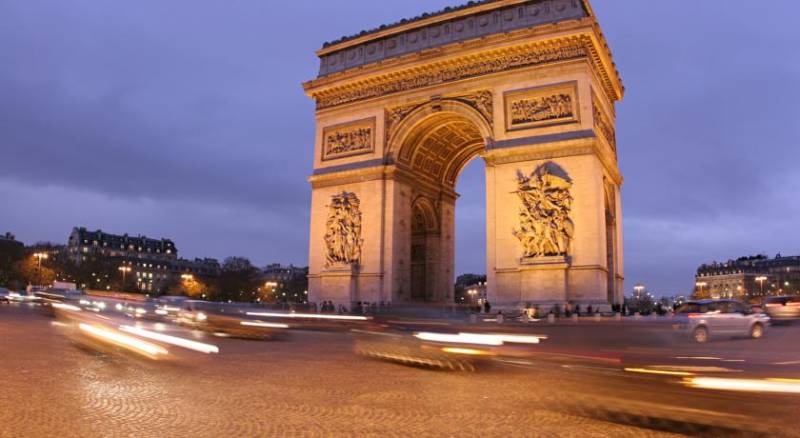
(527, 85)
(431, 145)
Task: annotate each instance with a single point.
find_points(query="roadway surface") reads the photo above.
(311, 384)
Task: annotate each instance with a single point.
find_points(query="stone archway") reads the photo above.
(429, 145)
(530, 87)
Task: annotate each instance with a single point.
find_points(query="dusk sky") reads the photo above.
(186, 119)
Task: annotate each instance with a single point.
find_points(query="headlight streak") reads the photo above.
(659, 372)
(461, 338)
(774, 385)
(66, 307)
(309, 316)
(264, 324)
(173, 340)
(494, 339)
(123, 340)
(468, 351)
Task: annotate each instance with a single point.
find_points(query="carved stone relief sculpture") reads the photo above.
(348, 139)
(544, 215)
(603, 125)
(480, 100)
(541, 106)
(343, 230)
(439, 74)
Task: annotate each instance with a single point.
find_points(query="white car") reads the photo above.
(704, 319)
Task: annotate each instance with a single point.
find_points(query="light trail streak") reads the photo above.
(309, 315)
(659, 372)
(788, 386)
(264, 324)
(123, 340)
(66, 307)
(461, 338)
(173, 340)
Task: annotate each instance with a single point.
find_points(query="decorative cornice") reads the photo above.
(527, 55)
(569, 48)
(490, 18)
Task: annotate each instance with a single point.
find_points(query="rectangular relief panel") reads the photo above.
(348, 139)
(541, 106)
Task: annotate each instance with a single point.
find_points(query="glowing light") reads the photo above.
(461, 338)
(661, 372)
(140, 311)
(790, 386)
(123, 340)
(264, 324)
(470, 351)
(309, 315)
(201, 316)
(161, 312)
(118, 306)
(66, 307)
(174, 340)
(519, 339)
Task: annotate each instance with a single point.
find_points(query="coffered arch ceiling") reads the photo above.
(438, 145)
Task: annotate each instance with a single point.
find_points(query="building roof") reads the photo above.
(383, 27)
(472, 20)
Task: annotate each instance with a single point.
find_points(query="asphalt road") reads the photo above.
(311, 384)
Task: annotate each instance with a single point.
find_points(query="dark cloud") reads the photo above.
(186, 119)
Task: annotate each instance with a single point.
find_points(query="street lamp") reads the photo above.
(701, 285)
(125, 270)
(187, 277)
(39, 256)
(638, 288)
(761, 279)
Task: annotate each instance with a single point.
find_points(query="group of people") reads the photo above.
(330, 307)
(359, 307)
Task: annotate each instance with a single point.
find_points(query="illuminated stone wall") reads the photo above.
(397, 133)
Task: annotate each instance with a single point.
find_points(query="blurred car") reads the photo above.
(439, 343)
(783, 308)
(704, 319)
(226, 319)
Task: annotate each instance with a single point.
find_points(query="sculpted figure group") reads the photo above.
(343, 142)
(343, 230)
(543, 108)
(545, 226)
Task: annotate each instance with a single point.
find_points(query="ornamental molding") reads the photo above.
(481, 100)
(475, 24)
(546, 229)
(541, 106)
(343, 231)
(540, 53)
(348, 139)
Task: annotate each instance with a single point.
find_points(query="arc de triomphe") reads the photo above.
(529, 86)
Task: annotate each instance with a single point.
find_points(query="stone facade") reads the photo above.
(535, 102)
(739, 278)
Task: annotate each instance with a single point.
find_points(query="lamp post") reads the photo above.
(701, 285)
(761, 279)
(39, 256)
(125, 270)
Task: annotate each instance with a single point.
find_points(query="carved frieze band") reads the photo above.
(343, 230)
(480, 100)
(575, 48)
(603, 124)
(347, 139)
(541, 106)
